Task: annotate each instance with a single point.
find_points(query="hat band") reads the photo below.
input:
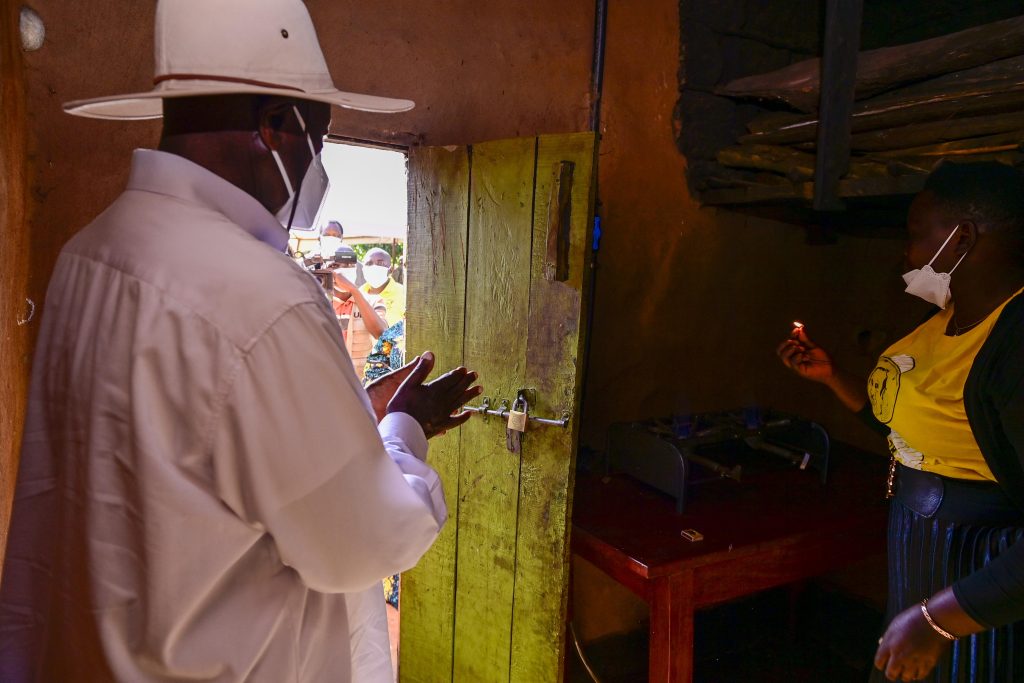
(225, 79)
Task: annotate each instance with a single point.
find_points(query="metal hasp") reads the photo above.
(556, 259)
(486, 409)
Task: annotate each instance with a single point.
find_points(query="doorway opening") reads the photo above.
(362, 236)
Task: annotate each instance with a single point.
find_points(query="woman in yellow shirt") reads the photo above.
(950, 399)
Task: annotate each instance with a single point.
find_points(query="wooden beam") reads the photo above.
(933, 132)
(900, 109)
(887, 67)
(800, 193)
(795, 165)
(838, 81)
(16, 323)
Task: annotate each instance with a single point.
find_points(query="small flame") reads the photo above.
(798, 325)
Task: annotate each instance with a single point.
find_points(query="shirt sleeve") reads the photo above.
(994, 595)
(297, 454)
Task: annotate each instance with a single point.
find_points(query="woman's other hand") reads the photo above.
(343, 283)
(910, 647)
(805, 358)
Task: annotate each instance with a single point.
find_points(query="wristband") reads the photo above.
(931, 622)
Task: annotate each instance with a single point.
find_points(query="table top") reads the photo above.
(638, 524)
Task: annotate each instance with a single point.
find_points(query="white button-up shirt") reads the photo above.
(204, 493)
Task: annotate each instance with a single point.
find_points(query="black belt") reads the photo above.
(956, 500)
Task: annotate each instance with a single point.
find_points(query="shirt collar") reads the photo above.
(176, 176)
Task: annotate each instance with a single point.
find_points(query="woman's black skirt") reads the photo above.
(940, 530)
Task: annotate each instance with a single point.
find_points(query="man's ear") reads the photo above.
(967, 236)
(272, 117)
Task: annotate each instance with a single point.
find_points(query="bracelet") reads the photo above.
(931, 622)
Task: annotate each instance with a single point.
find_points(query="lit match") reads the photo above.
(797, 325)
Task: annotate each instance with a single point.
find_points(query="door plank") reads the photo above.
(555, 340)
(497, 301)
(436, 291)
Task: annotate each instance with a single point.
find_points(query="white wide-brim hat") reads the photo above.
(232, 47)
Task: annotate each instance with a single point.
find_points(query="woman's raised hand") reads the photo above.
(805, 358)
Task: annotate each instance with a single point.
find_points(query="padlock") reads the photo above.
(517, 420)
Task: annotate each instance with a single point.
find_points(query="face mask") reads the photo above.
(329, 245)
(931, 286)
(303, 207)
(375, 276)
(347, 273)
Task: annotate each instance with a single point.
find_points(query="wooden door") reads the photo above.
(498, 238)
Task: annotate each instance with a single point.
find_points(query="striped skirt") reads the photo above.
(930, 549)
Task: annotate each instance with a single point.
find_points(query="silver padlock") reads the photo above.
(517, 420)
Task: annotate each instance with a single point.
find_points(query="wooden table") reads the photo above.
(772, 529)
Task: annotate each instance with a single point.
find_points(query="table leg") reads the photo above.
(670, 659)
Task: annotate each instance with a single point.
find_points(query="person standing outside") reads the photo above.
(331, 236)
(347, 298)
(380, 284)
(388, 352)
(184, 507)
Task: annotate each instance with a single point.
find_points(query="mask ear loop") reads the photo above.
(944, 246)
(280, 167)
(302, 124)
(958, 263)
(294, 195)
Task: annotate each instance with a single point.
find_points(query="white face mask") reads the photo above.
(931, 286)
(303, 213)
(329, 245)
(375, 276)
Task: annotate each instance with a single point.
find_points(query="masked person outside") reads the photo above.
(185, 508)
(380, 284)
(388, 351)
(347, 298)
(331, 236)
(950, 399)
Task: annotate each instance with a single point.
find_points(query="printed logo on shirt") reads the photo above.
(884, 385)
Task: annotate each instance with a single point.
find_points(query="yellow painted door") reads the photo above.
(499, 234)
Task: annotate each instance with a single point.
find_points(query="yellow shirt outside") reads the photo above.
(393, 296)
(917, 390)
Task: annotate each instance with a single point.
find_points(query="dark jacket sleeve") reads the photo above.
(994, 400)
(868, 418)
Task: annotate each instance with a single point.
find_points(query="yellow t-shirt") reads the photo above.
(393, 297)
(917, 390)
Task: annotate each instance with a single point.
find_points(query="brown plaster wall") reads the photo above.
(479, 70)
(691, 302)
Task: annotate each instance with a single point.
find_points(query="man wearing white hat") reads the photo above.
(185, 508)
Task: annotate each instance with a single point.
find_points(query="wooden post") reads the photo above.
(436, 292)
(16, 320)
(838, 81)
